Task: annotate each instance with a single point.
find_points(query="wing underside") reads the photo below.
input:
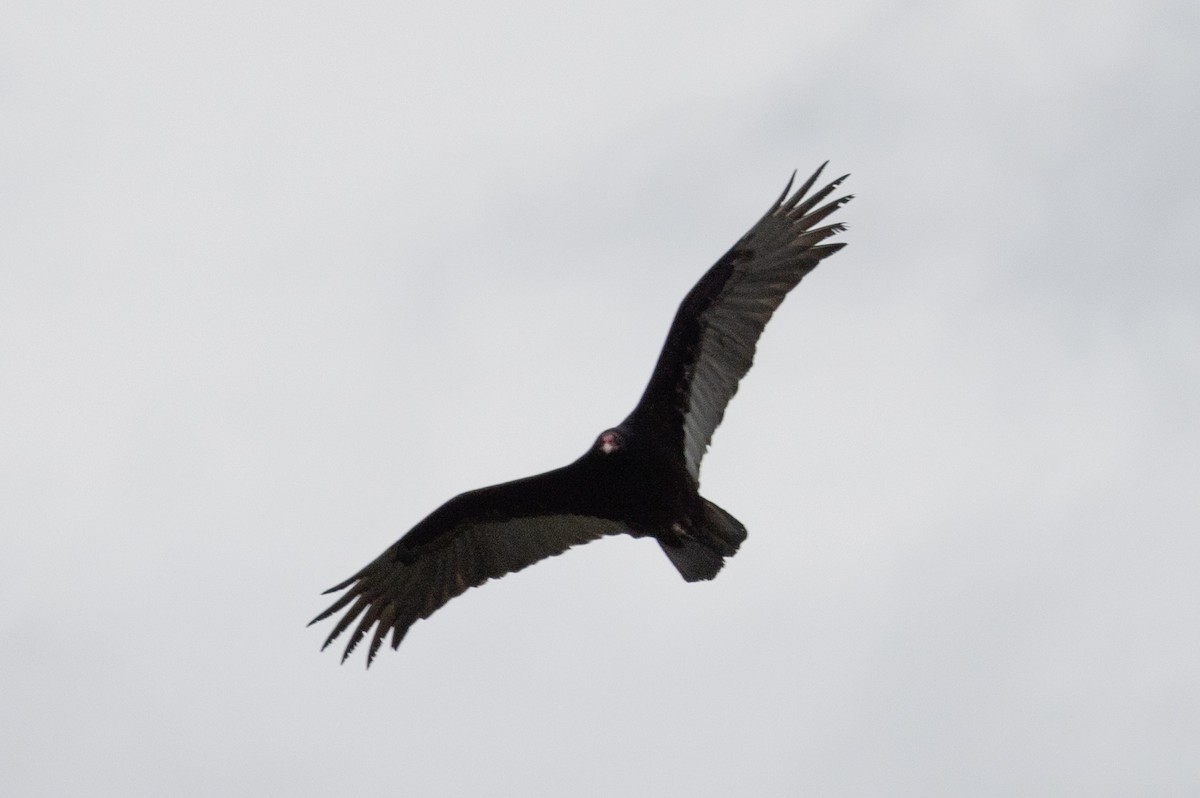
(712, 340)
(404, 585)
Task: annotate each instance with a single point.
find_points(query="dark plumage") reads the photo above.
(640, 478)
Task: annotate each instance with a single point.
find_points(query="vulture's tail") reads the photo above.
(701, 553)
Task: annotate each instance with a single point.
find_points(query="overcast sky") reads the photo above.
(278, 279)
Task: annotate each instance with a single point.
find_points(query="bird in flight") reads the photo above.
(640, 478)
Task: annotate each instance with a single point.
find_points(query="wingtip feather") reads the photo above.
(786, 189)
(800, 192)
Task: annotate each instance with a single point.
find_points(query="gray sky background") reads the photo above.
(278, 279)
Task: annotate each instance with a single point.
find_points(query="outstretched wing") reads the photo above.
(710, 346)
(474, 537)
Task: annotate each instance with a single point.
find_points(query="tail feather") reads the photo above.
(701, 554)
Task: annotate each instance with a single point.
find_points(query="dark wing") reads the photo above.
(710, 346)
(472, 538)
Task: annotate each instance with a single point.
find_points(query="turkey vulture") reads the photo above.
(640, 477)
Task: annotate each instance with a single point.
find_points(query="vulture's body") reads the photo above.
(640, 478)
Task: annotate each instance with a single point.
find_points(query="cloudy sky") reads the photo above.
(278, 279)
